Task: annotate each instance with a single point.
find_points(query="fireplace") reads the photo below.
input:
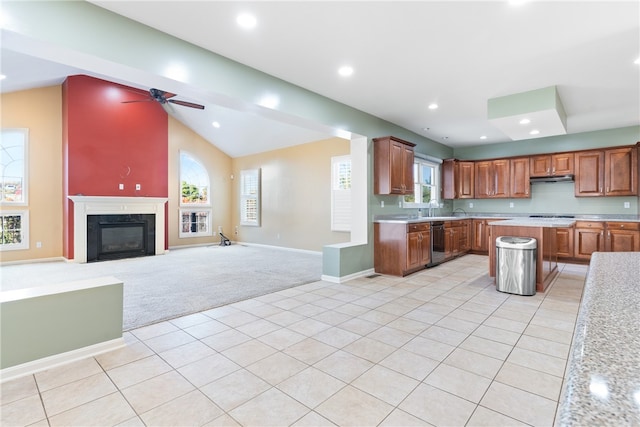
(106, 227)
(120, 236)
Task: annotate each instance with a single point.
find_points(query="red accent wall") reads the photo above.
(108, 143)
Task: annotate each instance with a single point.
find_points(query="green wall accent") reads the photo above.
(32, 328)
(553, 198)
(552, 144)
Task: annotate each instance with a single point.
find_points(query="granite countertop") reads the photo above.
(536, 222)
(603, 374)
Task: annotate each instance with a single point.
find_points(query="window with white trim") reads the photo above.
(14, 230)
(426, 184)
(341, 193)
(250, 197)
(13, 164)
(195, 200)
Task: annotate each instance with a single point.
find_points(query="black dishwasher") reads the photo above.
(437, 243)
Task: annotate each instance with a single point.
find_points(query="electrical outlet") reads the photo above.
(400, 203)
(470, 204)
(236, 231)
(38, 245)
(219, 229)
(627, 205)
(382, 203)
(137, 187)
(120, 186)
(511, 204)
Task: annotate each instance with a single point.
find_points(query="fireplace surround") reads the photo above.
(133, 212)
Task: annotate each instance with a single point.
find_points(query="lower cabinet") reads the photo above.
(589, 238)
(418, 246)
(564, 242)
(623, 237)
(456, 240)
(400, 248)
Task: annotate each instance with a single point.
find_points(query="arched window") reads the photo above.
(195, 198)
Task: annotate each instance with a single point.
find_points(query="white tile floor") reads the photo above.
(440, 347)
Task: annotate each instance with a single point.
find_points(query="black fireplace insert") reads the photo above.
(120, 236)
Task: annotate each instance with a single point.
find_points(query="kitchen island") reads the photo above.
(602, 384)
(541, 229)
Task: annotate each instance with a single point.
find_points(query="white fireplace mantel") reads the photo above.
(107, 205)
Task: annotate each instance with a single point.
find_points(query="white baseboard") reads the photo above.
(34, 261)
(49, 362)
(342, 279)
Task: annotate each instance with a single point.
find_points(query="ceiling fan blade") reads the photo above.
(187, 104)
(137, 100)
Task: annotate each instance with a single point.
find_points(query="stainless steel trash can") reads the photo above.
(516, 265)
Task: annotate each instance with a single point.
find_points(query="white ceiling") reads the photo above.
(407, 55)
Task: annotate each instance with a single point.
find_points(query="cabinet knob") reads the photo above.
(621, 225)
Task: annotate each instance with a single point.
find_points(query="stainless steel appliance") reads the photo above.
(437, 243)
(516, 265)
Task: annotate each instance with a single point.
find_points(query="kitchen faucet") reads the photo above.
(460, 209)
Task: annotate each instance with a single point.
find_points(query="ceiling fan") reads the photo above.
(163, 97)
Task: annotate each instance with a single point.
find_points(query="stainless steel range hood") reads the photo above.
(559, 178)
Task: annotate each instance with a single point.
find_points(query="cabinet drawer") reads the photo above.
(590, 224)
(623, 226)
(420, 226)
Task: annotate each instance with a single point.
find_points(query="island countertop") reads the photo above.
(536, 222)
(602, 384)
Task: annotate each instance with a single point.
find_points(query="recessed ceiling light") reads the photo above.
(525, 121)
(483, 137)
(269, 101)
(345, 71)
(2, 77)
(637, 61)
(433, 106)
(215, 125)
(534, 132)
(246, 21)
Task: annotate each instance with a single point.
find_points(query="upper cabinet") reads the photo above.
(519, 183)
(492, 179)
(552, 164)
(458, 179)
(612, 172)
(393, 166)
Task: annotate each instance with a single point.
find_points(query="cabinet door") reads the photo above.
(466, 180)
(564, 242)
(623, 237)
(589, 173)
(540, 165)
(397, 168)
(501, 172)
(479, 237)
(562, 164)
(519, 180)
(589, 240)
(425, 248)
(465, 236)
(414, 250)
(484, 181)
(621, 168)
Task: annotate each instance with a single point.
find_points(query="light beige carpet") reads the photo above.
(183, 281)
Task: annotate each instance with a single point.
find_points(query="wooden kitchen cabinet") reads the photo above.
(456, 241)
(623, 237)
(479, 242)
(589, 238)
(564, 242)
(492, 179)
(552, 164)
(519, 179)
(393, 166)
(465, 235)
(400, 248)
(458, 179)
(612, 172)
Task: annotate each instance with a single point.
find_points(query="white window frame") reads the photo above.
(419, 160)
(24, 222)
(25, 167)
(250, 193)
(194, 208)
(340, 196)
